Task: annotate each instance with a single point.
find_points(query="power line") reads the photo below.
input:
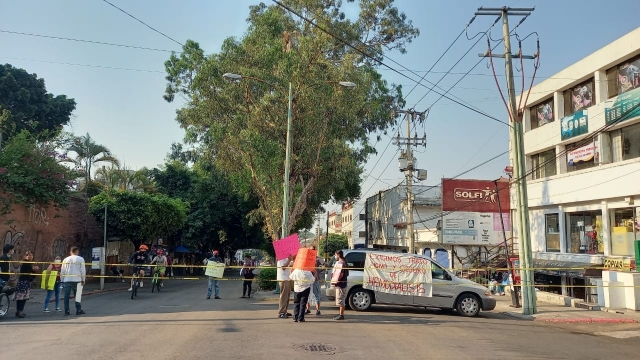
(145, 24)
(84, 65)
(85, 41)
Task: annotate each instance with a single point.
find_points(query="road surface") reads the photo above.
(180, 322)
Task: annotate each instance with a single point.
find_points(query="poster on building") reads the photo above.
(625, 107)
(582, 96)
(544, 113)
(400, 274)
(574, 125)
(474, 228)
(629, 76)
(96, 254)
(583, 154)
(475, 195)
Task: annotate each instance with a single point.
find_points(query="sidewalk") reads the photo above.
(38, 295)
(561, 314)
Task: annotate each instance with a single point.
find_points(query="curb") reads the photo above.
(518, 316)
(590, 321)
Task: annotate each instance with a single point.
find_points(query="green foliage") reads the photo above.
(242, 127)
(31, 174)
(87, 154)
(332, 243)
(138, 217)
(25, 104)
(267, 279)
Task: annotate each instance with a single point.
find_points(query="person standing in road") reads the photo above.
(302, 282)
(314, 298)
(213, 282)
(72, 273)
(283, 273)
(23, 289)
(5, 260)
(56, 266)
(247, 273)
(340, 283)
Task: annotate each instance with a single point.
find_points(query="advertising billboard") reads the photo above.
(474, 195)
(474, 228)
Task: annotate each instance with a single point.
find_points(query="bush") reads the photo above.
(267, 279)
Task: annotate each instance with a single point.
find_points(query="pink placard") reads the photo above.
(287, 246)
(506, 218)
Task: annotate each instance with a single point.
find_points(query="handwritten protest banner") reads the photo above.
(287, 246)
(305, 259)
(52, 280)
(398, 274)
(214, 269)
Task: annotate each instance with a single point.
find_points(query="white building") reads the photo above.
(582, 145)
(353, 224)
(386, 214)
(335, 223)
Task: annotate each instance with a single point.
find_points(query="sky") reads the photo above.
(119, 90)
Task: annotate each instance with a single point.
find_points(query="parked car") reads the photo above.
(449, 291)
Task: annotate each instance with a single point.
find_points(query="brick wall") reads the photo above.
(49, 232)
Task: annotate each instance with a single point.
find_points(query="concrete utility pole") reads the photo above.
(520, 171)
(407, 165)
(104, 251)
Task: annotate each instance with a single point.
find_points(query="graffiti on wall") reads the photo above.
(38, 215)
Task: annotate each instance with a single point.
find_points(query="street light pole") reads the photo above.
(104, 250)
(287, 170)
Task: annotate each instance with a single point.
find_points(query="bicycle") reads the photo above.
(5, 301)
(136, 285)
(156, 282)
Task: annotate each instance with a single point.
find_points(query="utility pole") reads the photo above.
(407, 165)
(104, 251)
(326, 241)
(520, 171)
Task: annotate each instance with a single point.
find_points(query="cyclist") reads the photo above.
(161, 264)
(139, 259)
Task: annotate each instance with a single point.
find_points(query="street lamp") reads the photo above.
(287, 166)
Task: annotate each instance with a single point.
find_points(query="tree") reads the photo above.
(242, 127)
(87, 154)
(332, 243)
(138, 217)
(25, 104)
(31, 174)
(123, 178)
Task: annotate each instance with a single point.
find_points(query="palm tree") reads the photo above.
(123, 178)
(87, 154)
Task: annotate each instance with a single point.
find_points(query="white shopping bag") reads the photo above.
(79, 293)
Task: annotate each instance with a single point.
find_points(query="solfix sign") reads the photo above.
(475, 195)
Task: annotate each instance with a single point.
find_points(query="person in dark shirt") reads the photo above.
(23, 289)
(5, 259)
(139, 259)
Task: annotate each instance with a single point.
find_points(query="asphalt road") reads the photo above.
(180, 323)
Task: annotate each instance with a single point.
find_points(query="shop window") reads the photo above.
(585, 233)
(630, 142)
(623, 232)
(580, 156)
(552, 232)
(544, 164)
(579, 97)
(623, 77)
(541, 114)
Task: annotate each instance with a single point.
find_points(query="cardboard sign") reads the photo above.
(79, 292)
(287, 246)
(52, 280)
(305, 259)
(214, 269)
(335, 274)
(398, 274)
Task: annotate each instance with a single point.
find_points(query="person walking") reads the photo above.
(247, 273)
(56, 266)
(314, 298)
(213, 283)
(23, 289)
(283, 273)
(72, 273)
(302, 283)
(339, 280)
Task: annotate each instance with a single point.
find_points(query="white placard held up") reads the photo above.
(214, 269)
(78, 297)
(398, 274)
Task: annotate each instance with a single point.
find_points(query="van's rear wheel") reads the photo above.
(360, 299)
(468, 305)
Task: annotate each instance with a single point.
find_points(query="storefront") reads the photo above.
(585, 232)
(567, 278)
(625, 229)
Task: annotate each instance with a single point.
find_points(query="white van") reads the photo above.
(449, 291)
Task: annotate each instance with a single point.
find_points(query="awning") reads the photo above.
(566, 268)
(181, 249)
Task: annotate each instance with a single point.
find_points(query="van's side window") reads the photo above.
(437, 272)
(357, 259)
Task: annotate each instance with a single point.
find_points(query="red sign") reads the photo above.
(474, 195)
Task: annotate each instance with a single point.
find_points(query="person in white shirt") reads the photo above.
(302, 283)
(72, 273)
(285, 285)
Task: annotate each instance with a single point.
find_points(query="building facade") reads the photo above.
(354, 225)
(582, 146)
(335, 223)
(386, 219)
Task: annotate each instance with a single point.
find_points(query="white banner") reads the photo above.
(398, 274)
(474, 228)
(214, 269)
(583, 154)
